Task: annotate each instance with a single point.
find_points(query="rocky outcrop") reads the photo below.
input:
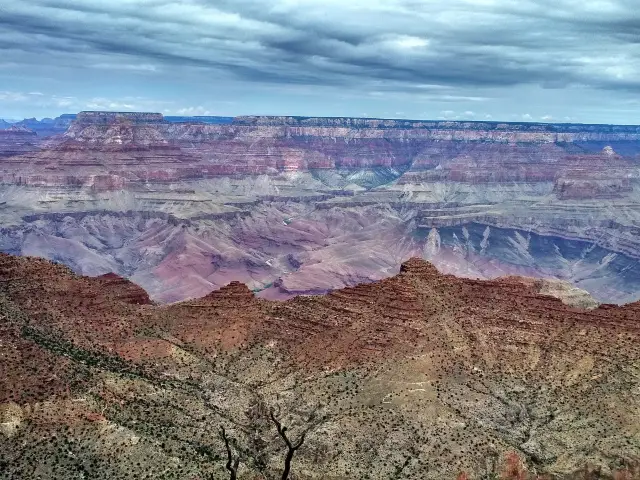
(585, 188)
(419, 267)
(124, 290)
(233, 295)
(570, 295)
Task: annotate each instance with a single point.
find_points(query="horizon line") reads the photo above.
(337, 117)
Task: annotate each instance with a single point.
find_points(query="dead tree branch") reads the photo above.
(232, 464)
(292, 447)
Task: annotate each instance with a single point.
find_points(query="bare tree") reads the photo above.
(255, 448)
(232, 464)
(292, 447)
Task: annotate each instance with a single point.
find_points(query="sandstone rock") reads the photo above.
(569, 294)
(419, 267)
(234, 295)
(124, 290)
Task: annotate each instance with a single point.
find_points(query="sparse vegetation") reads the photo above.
(513, 468)
(418, 377)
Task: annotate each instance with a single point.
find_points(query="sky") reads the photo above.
(524, 60)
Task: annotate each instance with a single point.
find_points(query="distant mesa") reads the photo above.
(209, 119)
(20, 129)
(103, 118)
(388, 123)
(106, 118)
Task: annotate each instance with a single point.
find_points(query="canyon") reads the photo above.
(420, 299)
(303, 205)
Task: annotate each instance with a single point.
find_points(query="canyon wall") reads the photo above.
(142, 147)
(17, 140)
(300, 205)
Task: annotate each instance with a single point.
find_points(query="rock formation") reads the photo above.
(144, 147)
(295, 205)
(46, 127)
(17, 140)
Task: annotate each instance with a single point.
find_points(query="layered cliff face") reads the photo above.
(144, 147)
(295, 205)
(17, 140)
(419, 376)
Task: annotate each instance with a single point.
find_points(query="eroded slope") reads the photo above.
(418, 376)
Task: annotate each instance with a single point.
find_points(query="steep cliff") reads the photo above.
(427, 151)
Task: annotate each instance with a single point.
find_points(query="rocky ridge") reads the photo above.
(45, 127)
(421, 375)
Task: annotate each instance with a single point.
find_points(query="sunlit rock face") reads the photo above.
(292, 205)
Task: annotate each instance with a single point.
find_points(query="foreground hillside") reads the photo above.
(420, 376)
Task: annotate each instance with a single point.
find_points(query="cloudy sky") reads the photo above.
(532, 60)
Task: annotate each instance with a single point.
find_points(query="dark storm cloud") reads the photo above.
(457, 43)
(444, 51)
(472, 42)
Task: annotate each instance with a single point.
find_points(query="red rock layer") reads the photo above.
(348, 326)
(17, 141)
(124, 290)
